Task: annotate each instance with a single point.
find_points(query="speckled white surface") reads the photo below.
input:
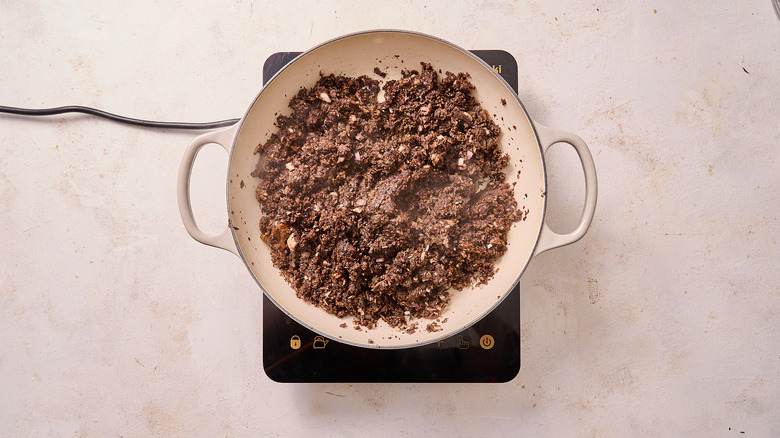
(662, 321)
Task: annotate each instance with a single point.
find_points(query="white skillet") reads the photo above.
(358, 54)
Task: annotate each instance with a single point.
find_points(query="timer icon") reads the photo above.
(487, 342)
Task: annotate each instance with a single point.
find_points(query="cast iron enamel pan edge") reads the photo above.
(357, 54)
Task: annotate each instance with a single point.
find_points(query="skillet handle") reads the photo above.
(549, 239)
(223, 240)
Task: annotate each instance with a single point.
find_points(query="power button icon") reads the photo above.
(487, 342)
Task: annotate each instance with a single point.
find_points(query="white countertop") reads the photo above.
(663, 321)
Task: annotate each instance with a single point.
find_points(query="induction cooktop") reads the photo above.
(488, 351)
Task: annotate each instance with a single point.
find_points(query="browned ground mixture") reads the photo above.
(377, 209)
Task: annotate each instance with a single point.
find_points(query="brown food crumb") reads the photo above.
(433, 327)
(343, 325)
(376, 210)
(503, 101)
(379, 72)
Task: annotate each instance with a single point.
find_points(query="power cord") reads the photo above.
(114, 117)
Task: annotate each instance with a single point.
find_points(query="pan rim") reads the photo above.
(447, 333)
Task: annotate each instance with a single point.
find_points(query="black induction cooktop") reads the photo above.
(488, 351)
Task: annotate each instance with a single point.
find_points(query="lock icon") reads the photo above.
(295, 342)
